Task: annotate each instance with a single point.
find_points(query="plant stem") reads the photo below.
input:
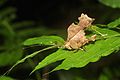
(45, 70)
(97, 31)
(29, 56)
(38, 77)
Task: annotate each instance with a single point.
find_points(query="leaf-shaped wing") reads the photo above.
(72, 31)
(76, 35)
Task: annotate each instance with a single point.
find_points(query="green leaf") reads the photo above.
(56, 56)
(102, 47)
(114, 24)
(92, 54)
(105, 31)
(6, 78)
(45, 40)
(111, 3)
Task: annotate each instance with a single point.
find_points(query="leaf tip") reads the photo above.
(32, 72)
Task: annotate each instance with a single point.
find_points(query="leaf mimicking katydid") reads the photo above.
(76, 33)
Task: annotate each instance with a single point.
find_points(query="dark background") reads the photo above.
(53, 17)
(61, 13)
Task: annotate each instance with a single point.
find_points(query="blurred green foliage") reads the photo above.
(10, 48)
(111, 3)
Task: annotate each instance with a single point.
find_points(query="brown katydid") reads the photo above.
(76, 33)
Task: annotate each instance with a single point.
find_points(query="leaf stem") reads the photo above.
(29, 56)
(32, 64)
(103, 35)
